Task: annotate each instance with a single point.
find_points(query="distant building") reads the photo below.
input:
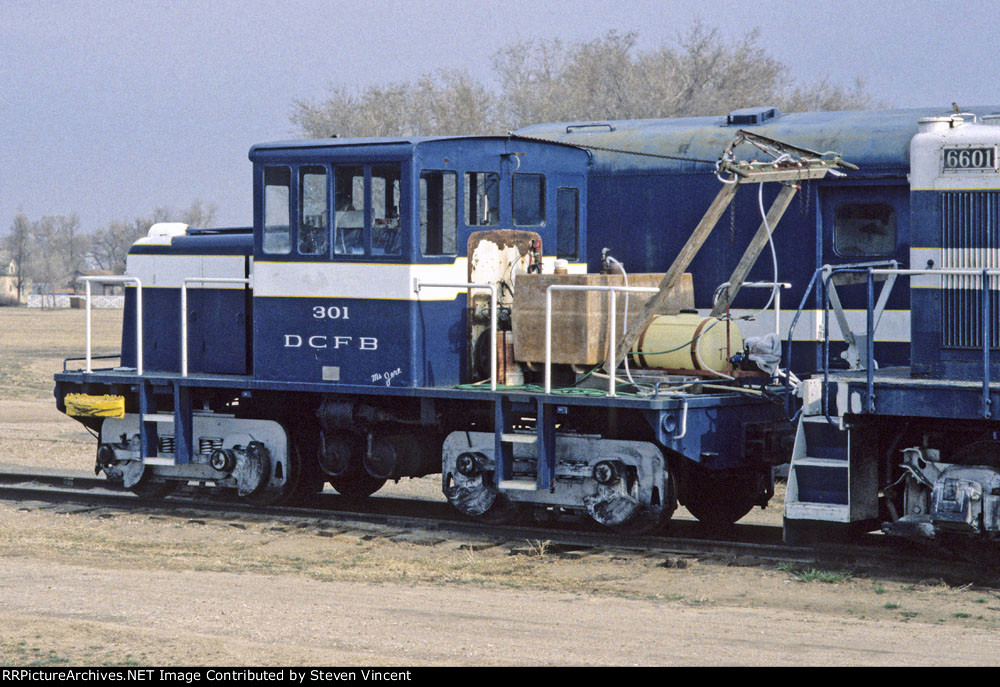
(8, 281)
(98, 287)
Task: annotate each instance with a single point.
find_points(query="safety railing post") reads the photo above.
(870, 345)
(138, 315)
(87, 306)
(613, 290)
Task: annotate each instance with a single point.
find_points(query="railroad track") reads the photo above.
(740, 545)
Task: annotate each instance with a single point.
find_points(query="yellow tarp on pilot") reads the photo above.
(84, 405)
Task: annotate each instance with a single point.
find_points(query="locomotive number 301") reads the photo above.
(332, 312)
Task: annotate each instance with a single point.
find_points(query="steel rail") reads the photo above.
(759, 544)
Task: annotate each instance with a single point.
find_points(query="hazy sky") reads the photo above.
(109, 109)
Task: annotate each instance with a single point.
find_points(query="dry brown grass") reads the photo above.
(34, 343)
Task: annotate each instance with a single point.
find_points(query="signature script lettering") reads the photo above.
(387, 377)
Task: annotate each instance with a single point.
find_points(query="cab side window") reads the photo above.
(386, 236)
(314, 226)
(567, 222)
(349, 215)
(864, 229)
(277, 211)
(529, 200)
(438, 212)
(482, 199)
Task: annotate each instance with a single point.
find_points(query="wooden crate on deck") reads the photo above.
(580, 318)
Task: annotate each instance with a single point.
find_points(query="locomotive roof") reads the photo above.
(403, 141)
(871, 138)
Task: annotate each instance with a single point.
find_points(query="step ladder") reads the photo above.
(543, 440)
(829, 478)
(181, 419)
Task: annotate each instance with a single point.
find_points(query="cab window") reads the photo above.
(314, 229)
(386, 237)
(529, 200)
(277, 210)
(349, 215)
(482, 199)
(438, 212)
(864, 229)
(567, 222)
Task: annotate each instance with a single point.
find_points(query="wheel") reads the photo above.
(296, 487)
(503, 512)
(647, 522)
(474, 496)
(154, 489)
(135, 478)
(720, 498)
(617, 506)
(341, 464)
(356, 485)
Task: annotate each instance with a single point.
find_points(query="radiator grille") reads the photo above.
(970, 238)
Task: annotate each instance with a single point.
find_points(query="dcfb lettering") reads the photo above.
(323, 341)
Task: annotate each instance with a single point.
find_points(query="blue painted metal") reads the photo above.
(503, 452)
(985, 298)
(148, 443)
(948, 324)
(546, 430)
(183, 424)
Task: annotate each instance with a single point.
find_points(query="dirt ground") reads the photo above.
(85, 586)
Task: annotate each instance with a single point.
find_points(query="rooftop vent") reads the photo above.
(751, 115)
(588, 127)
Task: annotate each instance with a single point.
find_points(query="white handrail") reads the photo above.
(184, 318)
(138, 315)
(417, 285)
(612, 291)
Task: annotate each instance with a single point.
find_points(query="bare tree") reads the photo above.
(699, 73)
(18, 245)
(447, 101)
(197, 214)
(110, 245)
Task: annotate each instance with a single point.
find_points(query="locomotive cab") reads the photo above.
(346, 231)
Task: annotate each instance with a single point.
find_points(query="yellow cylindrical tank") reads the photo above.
(687, 342)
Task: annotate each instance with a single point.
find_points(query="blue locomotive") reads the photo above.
(915, 449)
(395, 307)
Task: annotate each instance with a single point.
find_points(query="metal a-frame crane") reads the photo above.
(788, 164)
